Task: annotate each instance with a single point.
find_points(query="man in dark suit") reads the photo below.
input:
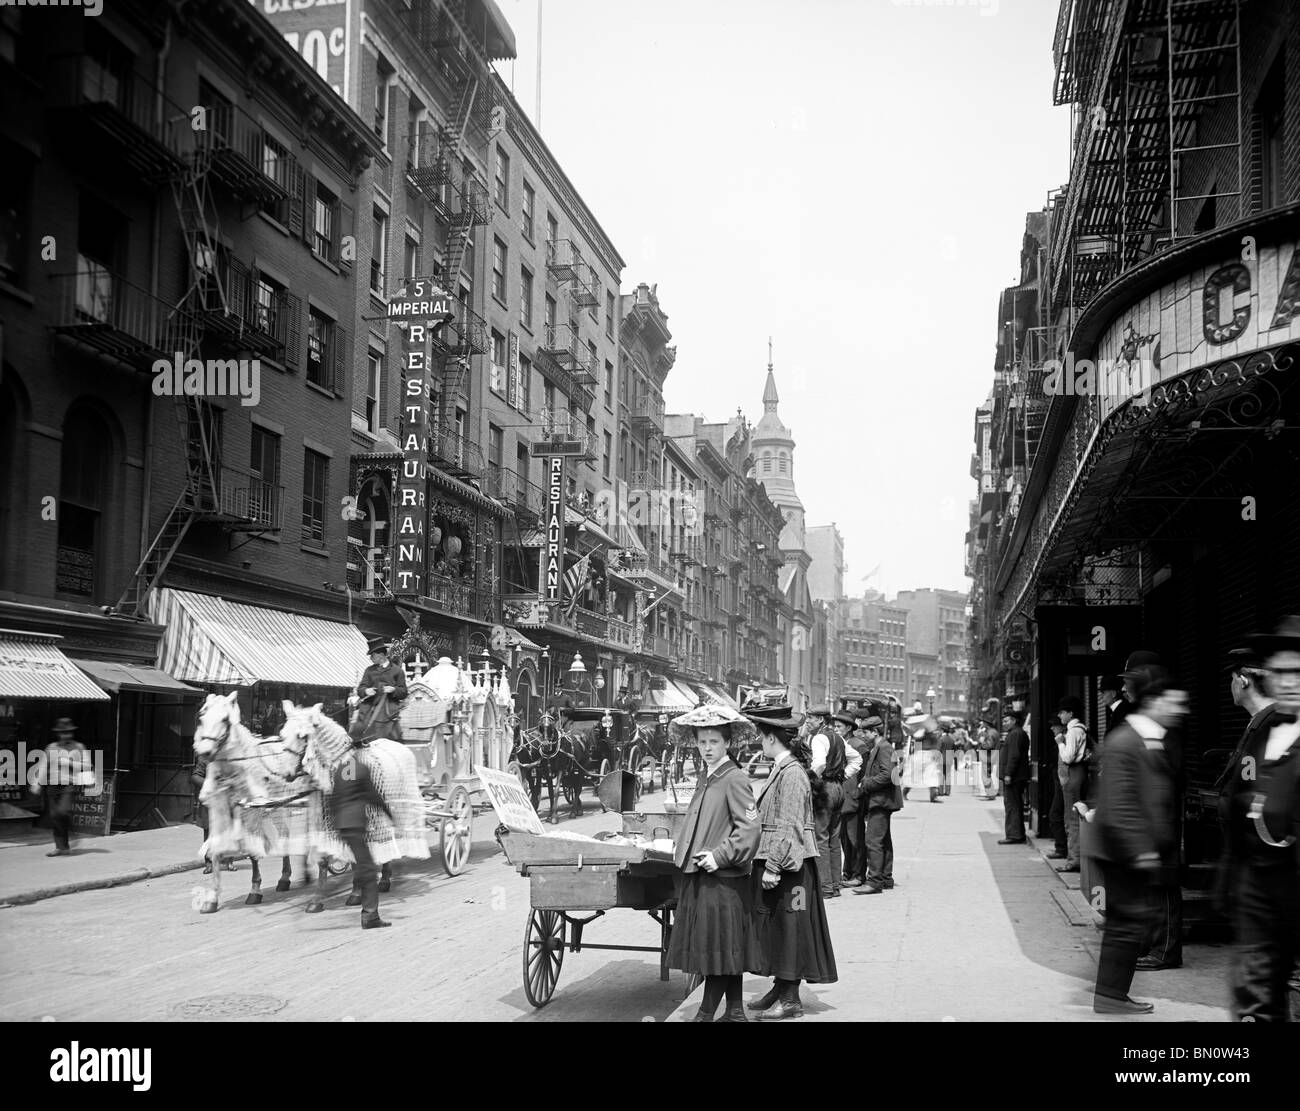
(353, 790)
(1013, 763)
(1261, 806)
(853, 815)
(382, 678)
(1137, 834)
(881, 794)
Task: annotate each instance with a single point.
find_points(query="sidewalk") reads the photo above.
(980, 932)
(28, 875)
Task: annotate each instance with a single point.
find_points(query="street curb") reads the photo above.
(135, 875)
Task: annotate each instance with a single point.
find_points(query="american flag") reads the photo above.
(575, 578)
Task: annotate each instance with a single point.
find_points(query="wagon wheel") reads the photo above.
(514, 768)
(604, 769)
(570, 794)
(753, 763)
(457, 832)
(543, 954)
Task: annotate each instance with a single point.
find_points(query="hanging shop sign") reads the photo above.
(514, 383)
(551, 574)
(1249, 301)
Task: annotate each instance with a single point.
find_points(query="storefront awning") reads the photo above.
(670, 700)
(211, 640)
(115, 677)
(31, 666)
(713, 694)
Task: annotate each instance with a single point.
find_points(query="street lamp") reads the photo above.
(578, 668)
(930, 694)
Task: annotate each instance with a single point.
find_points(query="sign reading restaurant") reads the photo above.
(425, 307)
(552, 569)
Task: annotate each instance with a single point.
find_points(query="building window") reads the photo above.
(529, 210)
(324, 222)
(498, 379)
(267, 311)
(321, 340)
(609, 384)
(379, 253)
(411, 257)
(552, 228)
(609, 314)
(315, 490)
(1270, 112)
(15, 206)
(383, 89)
(374, 376)
(83, 492)
(496, 446)
(609, 449)
(502, 190)
(548, 398)
(264, 470)
(526, 297)
(499, 254)
(548, 319)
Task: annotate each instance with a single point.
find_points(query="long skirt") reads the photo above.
(924, 768)
(711, 931)
(790, 939)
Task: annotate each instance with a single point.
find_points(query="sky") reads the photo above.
(848, 177)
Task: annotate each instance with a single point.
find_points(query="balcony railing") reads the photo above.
(686, 551)
(455, 454)
(460, 597)
(116, 114)
(647, 411)
(563, 259)
(620, 631)
(465, 334)
(716, 506)
(243, 497)
(524, 497)
(242, 159)
(563, 344)
(105, 312)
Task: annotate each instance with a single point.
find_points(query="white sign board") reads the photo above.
(513, 808)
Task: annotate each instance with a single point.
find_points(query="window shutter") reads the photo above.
(347, 227)
(292, 331)
(297, 198)
(238, 289)
(340, 359)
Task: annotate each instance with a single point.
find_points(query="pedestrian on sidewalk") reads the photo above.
(853, 813)
(924, 765)
(715, 851)
(65, 769)
(828, 762)
(882, 796)
(1013, 763)
(1072, 750)
(947, 756)
(1137, 831)
(352, 790)
(790, 939)
(1261, 807)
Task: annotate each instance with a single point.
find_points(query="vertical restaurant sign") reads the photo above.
(319, 30)
(412, 485)
(551, 575)
(513, 390)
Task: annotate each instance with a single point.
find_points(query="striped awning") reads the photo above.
(670, 700)
(211, 640)
(31, 666)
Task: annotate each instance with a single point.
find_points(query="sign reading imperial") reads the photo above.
(552, 569)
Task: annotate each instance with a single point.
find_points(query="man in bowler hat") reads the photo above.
(1261, 806)
(382, 677)
(1013, 765)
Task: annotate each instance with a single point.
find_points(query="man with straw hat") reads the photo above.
(63, 770)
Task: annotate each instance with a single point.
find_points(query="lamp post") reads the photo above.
(930, 694)
(578, 669)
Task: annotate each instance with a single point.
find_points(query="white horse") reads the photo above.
(324, 744)
(260, 799)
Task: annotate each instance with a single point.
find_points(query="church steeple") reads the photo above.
(770, 398)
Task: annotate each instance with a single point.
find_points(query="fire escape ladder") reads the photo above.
(158, 555)
(462, 224)
(1203, 38)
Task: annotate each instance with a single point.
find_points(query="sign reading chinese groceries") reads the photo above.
(551, 576)
(1248, 301)
(513, 808)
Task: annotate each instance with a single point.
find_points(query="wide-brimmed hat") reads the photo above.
(1285, 639)
(739, 729)
(1073, 703)
(1237, 658)
(377, 644)
(782, 718)
(1137, 661)
(64, 725)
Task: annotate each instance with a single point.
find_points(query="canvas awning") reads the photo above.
(31, 666)
(670, 700)
(212, 640)
(713, 694)
(115, 677)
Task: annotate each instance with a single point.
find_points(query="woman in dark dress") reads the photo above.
(790, 940)
(711, 931)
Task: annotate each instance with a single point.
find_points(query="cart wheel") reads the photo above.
(457, 832)
(604, 769)
(636, 791)
(752, 764)
(514, 769)
(570, 795)
(543, 954)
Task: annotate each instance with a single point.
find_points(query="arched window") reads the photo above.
(84, 490)
(375, 537)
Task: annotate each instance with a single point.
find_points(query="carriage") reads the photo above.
(574, 881)
(604, 741)
(455, 721)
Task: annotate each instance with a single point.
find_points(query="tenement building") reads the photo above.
(1137, 454)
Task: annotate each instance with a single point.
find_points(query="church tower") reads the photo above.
(773, 450)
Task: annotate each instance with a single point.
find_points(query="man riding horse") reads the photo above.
(379, 695)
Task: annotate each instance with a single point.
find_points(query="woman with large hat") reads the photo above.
(714, 850)
(790, 940)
